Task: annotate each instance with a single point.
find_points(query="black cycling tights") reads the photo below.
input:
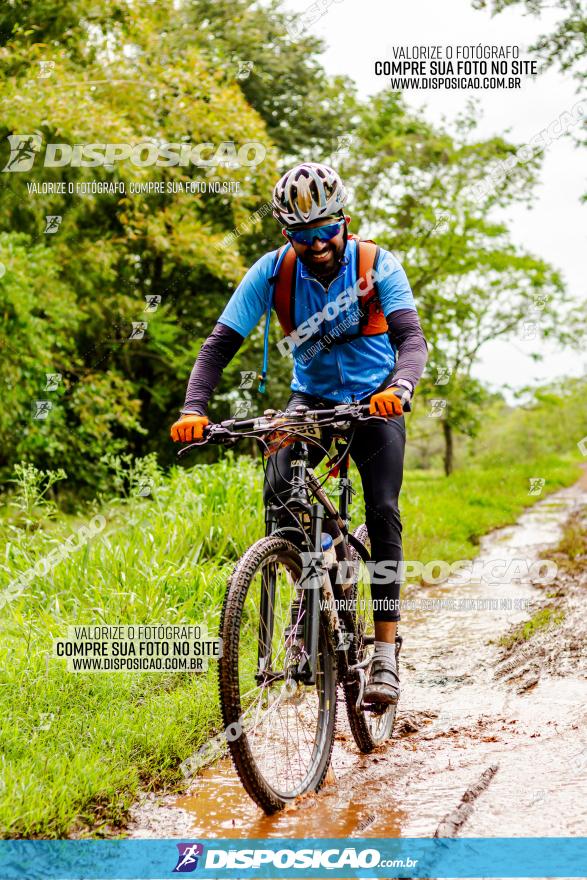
(377, 449)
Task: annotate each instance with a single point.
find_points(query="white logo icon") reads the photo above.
(152, 302)
(437, 407)
(41, 409)
(536, 485)
(23, 149)
(138, 329)
(52, 223)
(53, 381)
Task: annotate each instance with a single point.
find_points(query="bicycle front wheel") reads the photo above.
(279, 730)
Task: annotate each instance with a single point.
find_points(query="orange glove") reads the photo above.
(389, 402)
(189, 427)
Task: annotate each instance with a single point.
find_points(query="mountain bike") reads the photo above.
(296, 621)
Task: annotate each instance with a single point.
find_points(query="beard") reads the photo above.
(325, 262)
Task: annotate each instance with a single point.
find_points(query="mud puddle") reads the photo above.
(458, 717)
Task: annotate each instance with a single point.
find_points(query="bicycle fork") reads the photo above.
(311, 580)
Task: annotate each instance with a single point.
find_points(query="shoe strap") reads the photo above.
(384, 664)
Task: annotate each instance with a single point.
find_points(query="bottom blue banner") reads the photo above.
(313, 858)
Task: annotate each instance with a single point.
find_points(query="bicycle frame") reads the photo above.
(312, 516)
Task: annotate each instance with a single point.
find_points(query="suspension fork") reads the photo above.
(312, 587)
(271, 520)
(346, 491)
(267, 603)
(312, 572)
(268, 585)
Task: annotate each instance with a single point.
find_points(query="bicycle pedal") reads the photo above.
(376, 708)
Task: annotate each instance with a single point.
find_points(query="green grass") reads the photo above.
(571, 551)
(444, 518)
(542, 619)
(164, 559)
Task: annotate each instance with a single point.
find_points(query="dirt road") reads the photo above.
(507, 726)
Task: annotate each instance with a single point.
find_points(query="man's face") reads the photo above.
(321, 257)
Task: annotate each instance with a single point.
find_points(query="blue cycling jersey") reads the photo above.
(341, 372)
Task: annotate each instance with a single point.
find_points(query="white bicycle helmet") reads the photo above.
(308, 192)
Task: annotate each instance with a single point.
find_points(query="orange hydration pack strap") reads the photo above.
(285, 288)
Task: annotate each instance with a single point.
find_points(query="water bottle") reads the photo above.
(328, 550)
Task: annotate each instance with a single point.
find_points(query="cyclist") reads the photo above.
(352, 356)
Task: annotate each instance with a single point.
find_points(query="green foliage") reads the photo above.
(77, 748)
(553, 419)
(30, 498)
(278, 73)
(125, 73)
(70, 298)
(133, 476)
(545, 618)
(429, 196)
(566, 44)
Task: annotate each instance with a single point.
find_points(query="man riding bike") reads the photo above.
(368, 348)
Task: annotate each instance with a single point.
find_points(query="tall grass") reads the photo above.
(77, 745)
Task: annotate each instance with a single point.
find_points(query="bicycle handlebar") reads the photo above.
(299, 418)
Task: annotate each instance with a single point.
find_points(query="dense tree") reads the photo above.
(424, 193)
(200, 72)
(565, 47)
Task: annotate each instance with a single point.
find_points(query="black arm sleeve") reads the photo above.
(217, 351)
(406, 335)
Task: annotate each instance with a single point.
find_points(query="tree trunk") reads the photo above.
(448, 447)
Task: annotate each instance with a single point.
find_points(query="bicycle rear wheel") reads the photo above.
(280, 731)
(369, 729)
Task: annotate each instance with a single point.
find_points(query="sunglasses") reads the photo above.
(307, 236)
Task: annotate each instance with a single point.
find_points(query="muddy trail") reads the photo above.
(489, 740)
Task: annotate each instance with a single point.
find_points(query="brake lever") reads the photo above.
(185, 449)
(209, 432)
(370, 418)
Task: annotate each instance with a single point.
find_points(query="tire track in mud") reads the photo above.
(457, 716)
(452, 824)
